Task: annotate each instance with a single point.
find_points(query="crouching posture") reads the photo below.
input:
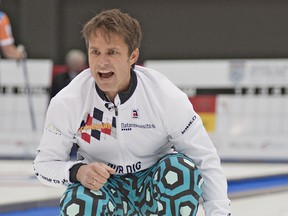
(142, 149)
(172, 186)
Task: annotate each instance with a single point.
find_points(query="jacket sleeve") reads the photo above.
(52, 162)
(189, 136)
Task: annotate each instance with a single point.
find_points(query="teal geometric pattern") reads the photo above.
(171, 187)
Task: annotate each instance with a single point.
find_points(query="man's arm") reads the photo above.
(12, 52)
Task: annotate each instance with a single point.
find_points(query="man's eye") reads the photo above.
(95, 52)
(112, 52)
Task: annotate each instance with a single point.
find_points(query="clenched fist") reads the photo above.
(94, 175)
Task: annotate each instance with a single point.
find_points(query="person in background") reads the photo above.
(8, 49)
(76, 61)
(143, 150)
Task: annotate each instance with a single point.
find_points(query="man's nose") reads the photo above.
(103, 61)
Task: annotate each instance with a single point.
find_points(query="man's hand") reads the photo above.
(94, 175)
(22, 51)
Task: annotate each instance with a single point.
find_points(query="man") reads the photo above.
(8, 49)
(76, 62)
(142, 148)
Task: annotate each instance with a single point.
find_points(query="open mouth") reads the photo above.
(105, 74)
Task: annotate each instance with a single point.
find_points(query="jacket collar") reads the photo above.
(124, 96)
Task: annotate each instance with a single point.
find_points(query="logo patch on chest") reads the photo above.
(135, 113)
(97, 126)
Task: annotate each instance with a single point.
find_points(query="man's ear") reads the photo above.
(134, 56)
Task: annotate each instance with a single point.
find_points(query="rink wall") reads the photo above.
(243, 103)
(24, 97)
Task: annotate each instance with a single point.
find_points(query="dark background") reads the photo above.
(172, 29)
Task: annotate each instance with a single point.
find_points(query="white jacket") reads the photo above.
(131, 134)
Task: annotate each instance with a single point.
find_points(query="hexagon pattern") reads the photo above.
(170, 187)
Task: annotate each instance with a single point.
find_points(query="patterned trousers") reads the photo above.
(171, 187)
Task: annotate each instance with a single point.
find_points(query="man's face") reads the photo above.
(110, 62)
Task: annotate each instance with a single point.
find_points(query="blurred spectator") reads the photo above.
(75, 61)
(8, 49)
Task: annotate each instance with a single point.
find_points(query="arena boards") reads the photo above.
(24, 98)
(243, 103)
